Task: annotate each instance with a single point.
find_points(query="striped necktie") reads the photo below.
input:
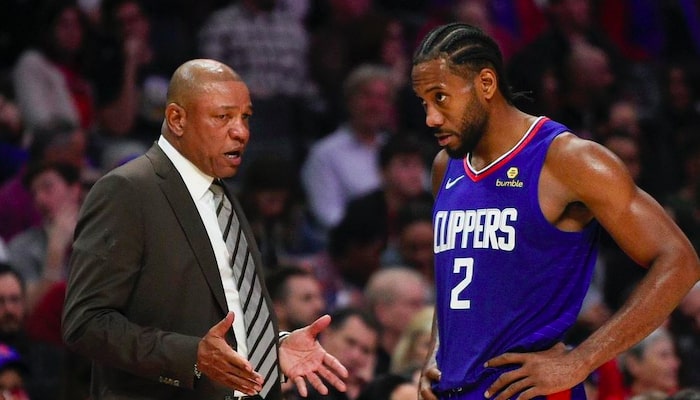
(261, 338)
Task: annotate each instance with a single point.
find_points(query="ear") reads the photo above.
(175, 117)
(487, 83)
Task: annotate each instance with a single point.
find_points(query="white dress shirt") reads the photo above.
(198, 183)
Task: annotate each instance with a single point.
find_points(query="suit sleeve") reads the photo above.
(110, 242)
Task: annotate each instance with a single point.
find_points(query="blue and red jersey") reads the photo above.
(507, 279)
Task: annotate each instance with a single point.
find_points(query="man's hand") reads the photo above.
(303, 359)
(220, 363)
(540, 373)
(428, 376)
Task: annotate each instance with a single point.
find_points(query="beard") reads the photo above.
(471, 131)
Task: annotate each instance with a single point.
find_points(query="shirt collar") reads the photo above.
(196, 181)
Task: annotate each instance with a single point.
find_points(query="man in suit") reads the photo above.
(151, 296)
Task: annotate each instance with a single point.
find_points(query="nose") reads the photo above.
(433, 118)
(239, 130)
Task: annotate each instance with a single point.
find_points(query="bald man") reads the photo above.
(151, 297)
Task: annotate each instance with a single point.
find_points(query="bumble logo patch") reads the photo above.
(512, 174)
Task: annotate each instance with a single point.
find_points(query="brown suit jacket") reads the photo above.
(144, 286)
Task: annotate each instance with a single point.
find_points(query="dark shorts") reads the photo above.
(476, 392)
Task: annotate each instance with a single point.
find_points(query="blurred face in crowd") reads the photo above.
(51, 193)
(405, 174)
(271, 203)
(303, 302)
(370, 107)
(416, 246)
(628, 151)
(690, 307)
(132, 21)
(657, 368)
(12, 308)
(410, 297)
(68, 30)
(12, 385)
(354, 344)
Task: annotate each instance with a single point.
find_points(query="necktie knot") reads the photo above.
(217, 190)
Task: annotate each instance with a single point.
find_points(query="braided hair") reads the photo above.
(464, 46)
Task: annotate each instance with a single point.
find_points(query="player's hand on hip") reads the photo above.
(539, 374)
(220, 363)
(428, 376)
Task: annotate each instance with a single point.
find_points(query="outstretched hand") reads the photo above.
(302, 358)
(539, 374)
(220, 363)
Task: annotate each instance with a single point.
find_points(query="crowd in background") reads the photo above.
(335, 177)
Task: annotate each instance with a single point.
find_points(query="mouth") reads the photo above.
(443, 138)
(233, 154)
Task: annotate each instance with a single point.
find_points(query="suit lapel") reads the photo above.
(185, 211)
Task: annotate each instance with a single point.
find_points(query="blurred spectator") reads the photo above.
(296, 297)
(131, 77)
(271, 198)
(268, 47)
(413, 348)
(61, 142)
(353, 254)
(14, 20)
(389, 387)
(352, 338)
(345, 164)
(690, 393)
(343, 35)
(12, 309)
(13, 371)
(12, 152)
(414, 247)
(618, 272)
(50, 78)
(635, 27)
(403, 173)
(41, 254)
(685, 327)
(678, 119)
(684, 204)
(586, 88)
(541, 67)
(393, 295)
(44, 363)
(3, 251)
(651, 365)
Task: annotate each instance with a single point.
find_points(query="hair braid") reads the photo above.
(463, 45)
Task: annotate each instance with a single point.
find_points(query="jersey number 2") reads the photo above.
(460, 264)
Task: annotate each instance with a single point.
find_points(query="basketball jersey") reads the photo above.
(507, 279)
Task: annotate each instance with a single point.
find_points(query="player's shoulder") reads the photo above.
(571, 147)
(577, 157)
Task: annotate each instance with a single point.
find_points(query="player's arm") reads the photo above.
(583, 181)
(642, 229)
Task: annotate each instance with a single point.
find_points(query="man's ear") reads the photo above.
(175, 117)
(487, 83)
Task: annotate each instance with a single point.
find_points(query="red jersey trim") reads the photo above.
(563, 395)
(476, 176)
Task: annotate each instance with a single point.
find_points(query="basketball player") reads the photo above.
(519, 203)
